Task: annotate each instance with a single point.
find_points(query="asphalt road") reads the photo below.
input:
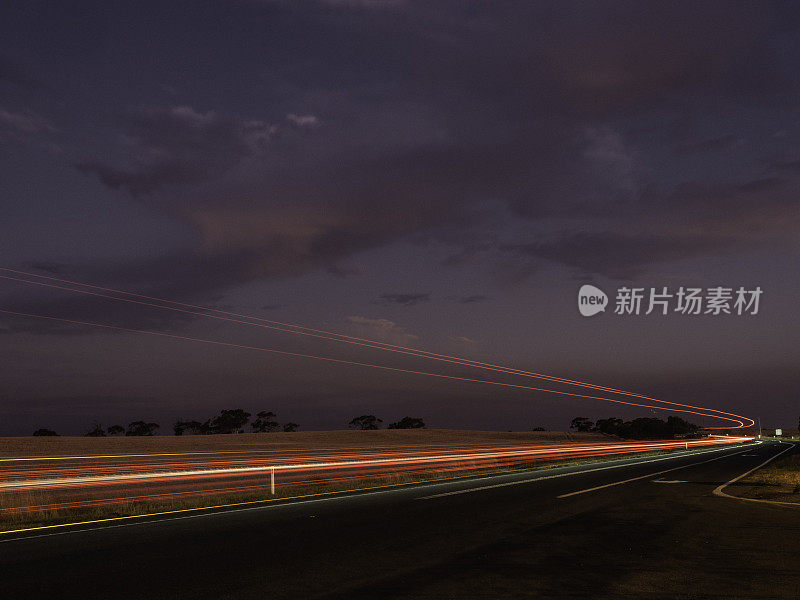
(639, 539)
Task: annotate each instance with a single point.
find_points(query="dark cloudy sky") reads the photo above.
(439, 174)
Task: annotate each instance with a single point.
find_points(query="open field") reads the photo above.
(296, 441)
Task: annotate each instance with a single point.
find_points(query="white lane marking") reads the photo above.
(608, 485)
(544, 477)
(718, 491)
(672, 481)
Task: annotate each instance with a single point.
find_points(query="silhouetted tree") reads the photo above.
(581, 424)
(289, 427)
(96, 431)
(609, 426)
(408, 423)
(228, 421)
(45, 432)
(180, 427)
(265, 422)
(678, 426)
(141, 428)
(115, 430)
(365, 422)
(642, 428)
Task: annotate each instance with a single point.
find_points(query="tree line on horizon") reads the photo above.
(642, 428)
(232, 421)
(235, 421)
(228, 421)
(371, 422)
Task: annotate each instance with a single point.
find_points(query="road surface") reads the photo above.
(636, 528)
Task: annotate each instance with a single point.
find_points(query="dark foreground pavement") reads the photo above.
(641, 539)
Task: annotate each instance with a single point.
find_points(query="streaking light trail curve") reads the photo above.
(740, 420)
(361, 364)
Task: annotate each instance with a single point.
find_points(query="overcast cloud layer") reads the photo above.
(442, 174)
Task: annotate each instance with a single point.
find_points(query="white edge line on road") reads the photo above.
(718, 491)
(608, 485)
(545, 477)
(673, 481)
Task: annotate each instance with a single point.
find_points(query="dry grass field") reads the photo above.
(12, 447)
(779, 480)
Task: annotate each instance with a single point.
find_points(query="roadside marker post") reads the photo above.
(272, 480)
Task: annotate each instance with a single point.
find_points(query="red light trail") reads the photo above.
(39, 487)
(740, 420)
(361, 364)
